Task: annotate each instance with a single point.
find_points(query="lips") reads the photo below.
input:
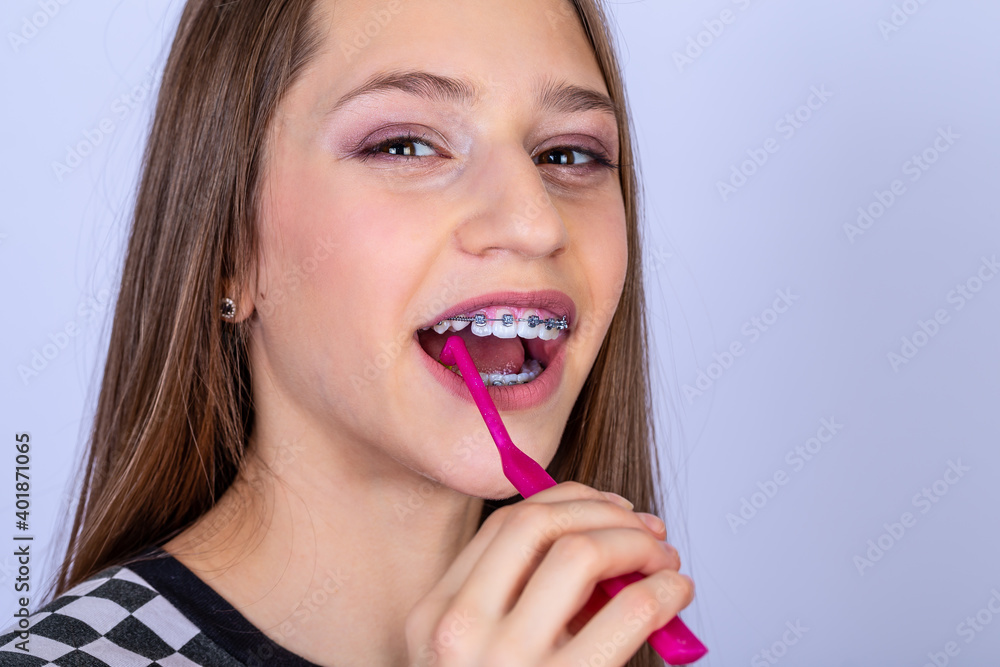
(550, 353)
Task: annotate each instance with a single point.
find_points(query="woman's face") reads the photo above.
(469, 180)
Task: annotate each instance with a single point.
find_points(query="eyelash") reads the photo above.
(599, 159)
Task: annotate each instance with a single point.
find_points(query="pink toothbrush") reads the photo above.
(674, 642)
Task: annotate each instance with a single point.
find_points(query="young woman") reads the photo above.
(280, 472)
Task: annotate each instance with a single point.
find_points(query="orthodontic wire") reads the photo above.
(509, 320)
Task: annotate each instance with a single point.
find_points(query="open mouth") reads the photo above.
(509, 345)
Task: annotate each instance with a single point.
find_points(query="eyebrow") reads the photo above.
(557, 96)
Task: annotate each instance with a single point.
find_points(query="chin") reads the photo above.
(480, 472)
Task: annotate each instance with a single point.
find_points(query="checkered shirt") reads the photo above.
(116, 618)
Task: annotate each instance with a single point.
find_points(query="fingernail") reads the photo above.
(619, 500)
(654, 522)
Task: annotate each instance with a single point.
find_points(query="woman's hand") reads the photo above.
(522, 592)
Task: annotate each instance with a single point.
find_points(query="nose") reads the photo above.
(513, 211)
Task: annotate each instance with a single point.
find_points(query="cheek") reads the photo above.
(603, 247)
(616, 257)
(338, 256)
(319, 237)
(600, 239)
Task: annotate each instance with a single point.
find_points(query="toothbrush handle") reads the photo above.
(674, 642)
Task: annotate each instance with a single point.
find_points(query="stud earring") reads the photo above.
(228, 309)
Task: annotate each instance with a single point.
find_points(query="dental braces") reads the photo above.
(508, 320)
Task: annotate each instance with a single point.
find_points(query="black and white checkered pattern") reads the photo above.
(113, 619)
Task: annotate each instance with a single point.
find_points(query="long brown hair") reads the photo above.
(174, 410)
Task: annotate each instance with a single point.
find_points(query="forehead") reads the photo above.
(482, 49)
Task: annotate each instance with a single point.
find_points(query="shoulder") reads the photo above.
(113, 618)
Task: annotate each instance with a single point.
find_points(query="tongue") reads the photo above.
(489, 353)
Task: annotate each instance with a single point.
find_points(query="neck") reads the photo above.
(299, 546)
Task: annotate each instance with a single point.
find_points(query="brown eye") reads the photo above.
(564, 156)
(404, 147)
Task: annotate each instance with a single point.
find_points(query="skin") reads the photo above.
(365, 478)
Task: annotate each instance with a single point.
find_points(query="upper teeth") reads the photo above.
(505, 325)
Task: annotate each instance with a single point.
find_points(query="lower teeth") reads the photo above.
(530, 370)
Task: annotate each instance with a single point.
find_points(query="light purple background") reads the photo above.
(713, 263)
